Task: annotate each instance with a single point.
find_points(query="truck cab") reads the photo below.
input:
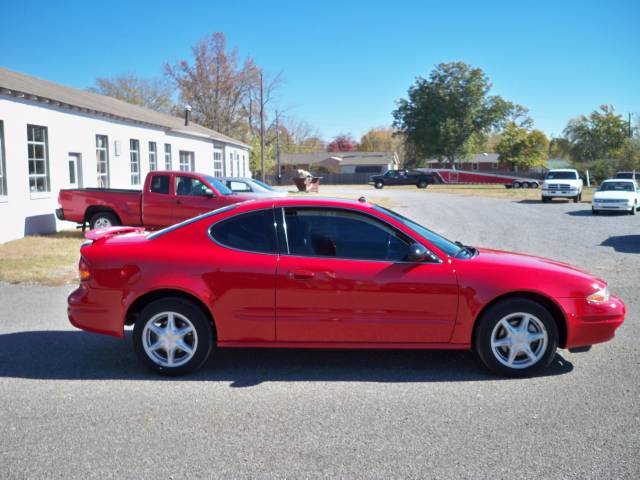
(562, 183)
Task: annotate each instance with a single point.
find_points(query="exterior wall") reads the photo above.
(236, 162)
(23, 212)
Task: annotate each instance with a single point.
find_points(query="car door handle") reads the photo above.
(301, 274)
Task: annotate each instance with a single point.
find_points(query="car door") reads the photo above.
(241, 276)
(343, 277)
(158, 202)
(193, 197)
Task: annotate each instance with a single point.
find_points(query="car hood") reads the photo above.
(499, 258)
(616, 195)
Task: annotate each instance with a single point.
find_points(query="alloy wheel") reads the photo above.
(519, 340)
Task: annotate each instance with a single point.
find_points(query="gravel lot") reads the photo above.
(78, 405)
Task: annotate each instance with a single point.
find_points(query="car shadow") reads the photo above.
(623, 243)
(71, 355)
(579, 213)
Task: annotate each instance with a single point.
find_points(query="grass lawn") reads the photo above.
(44, 259)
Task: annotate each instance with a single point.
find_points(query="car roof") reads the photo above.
(629, 180)
(563, 170)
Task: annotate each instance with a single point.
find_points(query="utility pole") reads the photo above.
(277, 148)
(261, 128)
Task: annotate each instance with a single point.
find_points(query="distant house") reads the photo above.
(481, 162)
(53, 137)
(340, 162)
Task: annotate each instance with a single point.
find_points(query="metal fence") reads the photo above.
(329, 179)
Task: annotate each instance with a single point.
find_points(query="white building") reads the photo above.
(54, 137)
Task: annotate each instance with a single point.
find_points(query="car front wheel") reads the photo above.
(516, 338)
(173, 336)
(422, 184)
(378, 185)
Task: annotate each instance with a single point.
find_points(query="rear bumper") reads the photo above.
(589, 323)
(60, 213)
(96, 310)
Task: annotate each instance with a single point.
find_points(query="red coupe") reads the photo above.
(321, 273)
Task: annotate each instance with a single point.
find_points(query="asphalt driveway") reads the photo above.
(78, 405)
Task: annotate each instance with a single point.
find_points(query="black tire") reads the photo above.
(633, 209)
(422, 184)
(203, 340)
(594, 211)
(517, 185)
(378, 185)
(545, 199)
(577, 198)
(539, 316)
(526, 185)
(102, 218)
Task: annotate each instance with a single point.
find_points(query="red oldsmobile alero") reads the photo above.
(321, 273)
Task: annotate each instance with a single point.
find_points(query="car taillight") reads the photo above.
(84, 271)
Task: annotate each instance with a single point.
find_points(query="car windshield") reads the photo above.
(218, 185)
(262, 184)
(616, 187)
(561, 176)
(450, 248)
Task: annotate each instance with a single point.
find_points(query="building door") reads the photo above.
(75, 170)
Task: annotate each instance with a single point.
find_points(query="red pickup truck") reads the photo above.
(167, 198)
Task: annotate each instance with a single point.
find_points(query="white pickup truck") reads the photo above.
(562, 183)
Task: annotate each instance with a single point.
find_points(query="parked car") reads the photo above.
(251, 185)
(562, 183)
(322, 273)
(401, 177)
(616, 195)
(629, 175)
(166, 198)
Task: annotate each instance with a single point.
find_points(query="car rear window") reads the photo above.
(250, 232)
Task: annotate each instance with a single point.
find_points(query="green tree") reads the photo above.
(450, 114)
(522, 147)
(380, 139)
(155, 93)
(600, 136)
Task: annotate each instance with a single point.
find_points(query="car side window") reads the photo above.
(160, 184)
(251, 232)
(190, 186)
(344, 234)
(238, 186)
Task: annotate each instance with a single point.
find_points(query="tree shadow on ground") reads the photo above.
(75, 355)
(623, 243)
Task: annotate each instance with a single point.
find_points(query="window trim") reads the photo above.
(107, 173)
(46, 175)
(136, 162)
(191, 159)
(276, 251)
(168, 157)
(430, 252)
(153, 153)
(4, 191)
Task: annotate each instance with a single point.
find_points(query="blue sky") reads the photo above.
(346, 63)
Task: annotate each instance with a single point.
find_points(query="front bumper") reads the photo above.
(589, 323)
(560, 193)
(96, 310)
(621, 207)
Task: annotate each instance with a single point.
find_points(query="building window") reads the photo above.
(3, 167)
(474, 166)
(494, 165)
(231, 163)
(134, 153)
(167, 156)
(153, 164)
(217, 164)
(187, 161)
(102, 160)
(38, 161)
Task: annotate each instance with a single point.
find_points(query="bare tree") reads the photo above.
(154, 93)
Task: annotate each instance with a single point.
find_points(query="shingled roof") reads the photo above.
(32, 88)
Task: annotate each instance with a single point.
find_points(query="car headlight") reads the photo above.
(600, 296)
(573, 188)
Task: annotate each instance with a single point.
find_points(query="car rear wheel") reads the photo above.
(422, 184)
(378, 185)
(173, 336)
(516, 337)
(103, 220)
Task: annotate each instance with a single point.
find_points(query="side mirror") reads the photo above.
(208, 192)
(417, 252)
